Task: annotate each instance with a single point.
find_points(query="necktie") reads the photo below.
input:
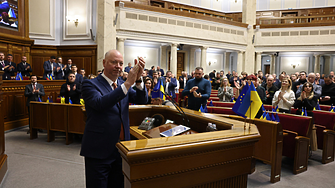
(122, 131)
(2, 63)
(34, 86)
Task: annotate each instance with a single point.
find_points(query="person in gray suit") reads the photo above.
(33, 91)
(225, 92)
(49, 67)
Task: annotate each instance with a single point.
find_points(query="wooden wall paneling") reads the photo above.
(5, 106)
(20, 104)
(3, 156)
(88, 66)
(58, 117)
(37, 65)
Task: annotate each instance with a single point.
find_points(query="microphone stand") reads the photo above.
(181, 111)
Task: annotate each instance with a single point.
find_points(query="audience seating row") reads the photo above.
(56, 117)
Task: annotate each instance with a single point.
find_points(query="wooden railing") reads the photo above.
(298, 21)
(186, 12)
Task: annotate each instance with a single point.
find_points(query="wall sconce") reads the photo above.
(212, 62)
(295, 64)
(75, 19)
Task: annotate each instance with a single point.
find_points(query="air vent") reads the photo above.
(212, 28)
(227, 30)
(314, 32)
(172, 22)
(220, 29)
(152, 19)
(197, 26)
(233, 31)
(332, 31)
(143, 17)
(294, 33)
(205, 27)
(162, 20)
(284, 34)
(189, 24)
(266, 34)
(181, 23)
(131, 16)
(275, 34)
(324, 32)
(303, 33)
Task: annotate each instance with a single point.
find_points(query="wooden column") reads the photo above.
(3, 156)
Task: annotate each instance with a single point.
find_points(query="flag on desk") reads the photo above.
(39, 99)
(201, 109)
(211, 103)
(158, 91)
(251, 103)
(277, 118)
(18, 76)
(70, 102)
(267, 117)
(239, 100)
(263, 115)
(273, 118)
(48, 100)
(275, 109)
(82, 102)
(62, 100)
(305, 114)
(11, 13)
(317, 106)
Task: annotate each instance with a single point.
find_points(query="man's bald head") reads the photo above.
(113, 64)
(311, 77)
(112, 53)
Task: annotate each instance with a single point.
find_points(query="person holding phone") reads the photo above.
(328, 91)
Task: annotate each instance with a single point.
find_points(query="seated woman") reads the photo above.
(225, 92)
(307, 100)
(284, 97)
(148, 84)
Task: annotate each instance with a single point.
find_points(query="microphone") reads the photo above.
(180, 110)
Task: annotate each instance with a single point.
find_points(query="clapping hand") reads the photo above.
(68, 87)
(196, 95)
(74, 87)
(193, 89)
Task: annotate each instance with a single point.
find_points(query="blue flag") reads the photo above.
(70, 102)
(205, 109)
(318, 106)
(211, 103)
(232, 99)
(17, 76)
(267, 117)
(277, 118)
(263, 115)
(273, 117)
(240, 99)
(331, 108)
(50, 100)
(39, 100)
(201, 109)
(305, 112)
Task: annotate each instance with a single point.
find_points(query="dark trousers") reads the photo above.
(104, 173)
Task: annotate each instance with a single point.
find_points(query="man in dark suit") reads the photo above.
(160, 70)
(107, 101)
(71, 89)
(127, 69)
(183, 79)
(2, 64)
(170, 84)
(24, 68)
(79, 77)
(151, 71)
(49, 67)
(11, 69)
(82, 72)
(59, 72)
(67, 68)
(33, 91)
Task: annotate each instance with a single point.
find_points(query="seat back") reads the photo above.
(325, 107)
(214, 99)
(299, 124)
(324, 118)
(222, 104)
(220, 110)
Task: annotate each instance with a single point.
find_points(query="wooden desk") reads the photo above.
(222, 157)
(3, 156)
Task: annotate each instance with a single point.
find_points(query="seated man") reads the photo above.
(328, 91)
(71, 90)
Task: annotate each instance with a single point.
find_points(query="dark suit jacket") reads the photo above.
(67, 70)
(73, 94)
(79, 78)
(171, 88)
(22, 69)
(47, 69)
(8, 73)
(181, 82)
(33, 96)
(106, 109)
(161, 70)
(59, 73)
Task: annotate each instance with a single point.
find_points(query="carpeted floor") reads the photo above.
(41, 164)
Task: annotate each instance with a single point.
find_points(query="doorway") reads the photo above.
(267, 69)
(180, 63)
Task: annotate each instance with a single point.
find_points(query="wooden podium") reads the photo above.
(222, 158)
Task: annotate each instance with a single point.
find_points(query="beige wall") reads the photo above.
(287, 61)
(151, 55)
(41, 18)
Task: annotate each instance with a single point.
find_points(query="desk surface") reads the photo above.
(237, 131)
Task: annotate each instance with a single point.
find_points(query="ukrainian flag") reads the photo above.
(251, 103)
(158, 91)
(11, 13)
(263, 115)
(48, 100)
(62, 100)
(82, 102)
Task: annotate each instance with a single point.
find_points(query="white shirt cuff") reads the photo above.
(124, 89)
